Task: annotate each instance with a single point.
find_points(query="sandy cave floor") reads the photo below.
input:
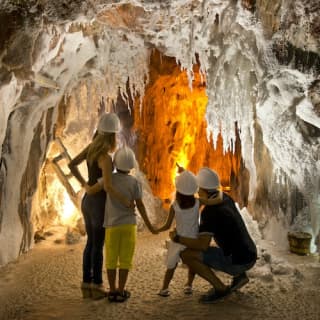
(44, 284)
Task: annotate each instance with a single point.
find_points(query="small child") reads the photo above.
(120, 224)
(185, 209)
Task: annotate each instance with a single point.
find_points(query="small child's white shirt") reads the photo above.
(187, 225)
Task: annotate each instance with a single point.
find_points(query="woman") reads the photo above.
(99, 164)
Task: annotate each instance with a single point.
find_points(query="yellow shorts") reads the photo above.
(120, 243)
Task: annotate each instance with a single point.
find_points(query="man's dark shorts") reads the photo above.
(215, 258)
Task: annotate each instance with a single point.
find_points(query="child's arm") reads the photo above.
(168, 223)
(105, 163)
(180, 169)
(212, 201)
(95, 188)
(143, 213)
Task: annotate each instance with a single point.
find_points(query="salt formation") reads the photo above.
(260, 67)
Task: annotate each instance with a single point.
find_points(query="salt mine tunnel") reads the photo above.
(232, 85)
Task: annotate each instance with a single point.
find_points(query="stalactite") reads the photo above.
(172, 128)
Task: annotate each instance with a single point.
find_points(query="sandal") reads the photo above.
(164, 293)
(126, 294)
(119, 297)
(98, 291)
(112, 296)
(187, 290)
(86, 290)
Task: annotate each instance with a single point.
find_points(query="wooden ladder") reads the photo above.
(65, 177)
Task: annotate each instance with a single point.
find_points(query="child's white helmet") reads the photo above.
(124, 159)
(109, 123)
(208, 179)
(186, 183)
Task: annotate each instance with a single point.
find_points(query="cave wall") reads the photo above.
(293, 27)
(42, 62)
(265, 86)
(21, 179)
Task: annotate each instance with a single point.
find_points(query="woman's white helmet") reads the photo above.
(186, 183)
(124, 159)
(109, 123)
(208, 179)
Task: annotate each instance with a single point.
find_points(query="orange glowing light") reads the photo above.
(172, 128)
(182, 160)
(69, 214)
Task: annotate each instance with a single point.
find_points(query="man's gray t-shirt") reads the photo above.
(115, 212)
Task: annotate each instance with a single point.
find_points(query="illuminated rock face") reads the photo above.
(171, 128)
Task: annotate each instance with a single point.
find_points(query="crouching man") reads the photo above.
(235, 251)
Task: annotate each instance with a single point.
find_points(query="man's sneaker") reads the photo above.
(239, 281)
(214, 296)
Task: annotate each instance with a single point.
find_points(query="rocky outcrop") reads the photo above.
(29, 182)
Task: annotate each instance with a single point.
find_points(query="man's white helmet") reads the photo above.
(109, 123)
(124, 159)
(186, 183)
(208, 179)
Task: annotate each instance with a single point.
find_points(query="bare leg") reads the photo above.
(167, 278)
(193, 259)
(123, 276)
(112, 279)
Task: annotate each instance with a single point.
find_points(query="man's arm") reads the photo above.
(201, 243)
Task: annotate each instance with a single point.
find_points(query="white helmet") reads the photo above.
(124, 159)
(186, 183)
(208, 179)
(109, 122)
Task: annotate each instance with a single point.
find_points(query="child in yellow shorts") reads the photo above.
(120, 223)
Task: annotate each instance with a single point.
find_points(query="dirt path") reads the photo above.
(44, 284)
